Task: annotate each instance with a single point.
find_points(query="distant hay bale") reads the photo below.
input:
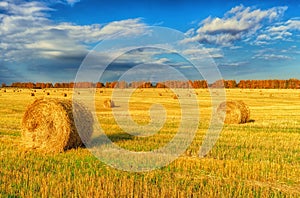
(235, 112)
(175, 96)
(48, 125)
(65, 95)
(48, 93)
(160, 94)
(4, 90)
(108, 104)
(101, 91)
(32, 94)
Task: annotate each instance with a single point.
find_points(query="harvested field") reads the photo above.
(255, 159)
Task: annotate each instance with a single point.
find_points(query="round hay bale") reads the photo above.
(65, 95)
(175, 96)
(48, 125)
(108, 103)
(48, 93)
(32, 94)
(235, 112)
(160, 94)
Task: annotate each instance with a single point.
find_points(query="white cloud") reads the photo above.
(271, 56)
(72, 2)
(204, 53)
(162, 61)
(33, 8)
(234, 64)
(293, 24)
(234, 47)
(96, 32)
(284, 30)
(26, 31)
(237, 23)
(263, 37)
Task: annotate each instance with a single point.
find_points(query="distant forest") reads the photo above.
(198, 84)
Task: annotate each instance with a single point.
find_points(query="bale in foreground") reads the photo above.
(48, 125)
(235, 112)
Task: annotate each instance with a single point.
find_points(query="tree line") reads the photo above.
(198, 84)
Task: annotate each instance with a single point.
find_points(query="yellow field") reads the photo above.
(257, 159)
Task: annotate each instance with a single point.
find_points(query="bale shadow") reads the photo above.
(102, 139)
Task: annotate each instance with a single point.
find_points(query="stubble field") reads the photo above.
(258, 159)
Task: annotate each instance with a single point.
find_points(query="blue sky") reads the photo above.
(48, 40)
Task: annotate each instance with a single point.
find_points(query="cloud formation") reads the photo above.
(72, 2)
(26, 29)
(29, 36)
(272, 57)
(284, 30)
(237, 23)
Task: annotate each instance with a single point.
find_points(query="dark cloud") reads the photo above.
(8, 75)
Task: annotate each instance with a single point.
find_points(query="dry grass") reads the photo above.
(255, 159)
(48, 125)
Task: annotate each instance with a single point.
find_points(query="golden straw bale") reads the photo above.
(235, 112)
(48, 125)
(108, 103)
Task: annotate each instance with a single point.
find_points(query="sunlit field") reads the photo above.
(258, 159)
